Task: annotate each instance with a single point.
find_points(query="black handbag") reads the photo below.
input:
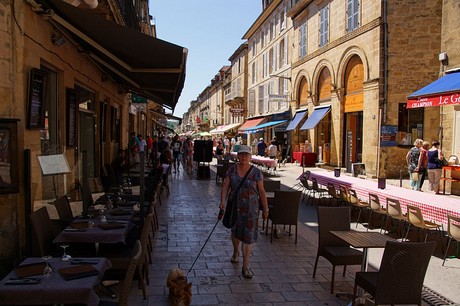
(229, 219)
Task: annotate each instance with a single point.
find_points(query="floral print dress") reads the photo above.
(246, 227)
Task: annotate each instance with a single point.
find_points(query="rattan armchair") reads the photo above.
(285, 210)
(401, 274)
(335, 250)
(136, 256)
(317, 190)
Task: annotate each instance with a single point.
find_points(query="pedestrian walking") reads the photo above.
(435, 157)
(412, 159)
(244, 184)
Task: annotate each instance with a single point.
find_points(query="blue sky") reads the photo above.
(211, 30)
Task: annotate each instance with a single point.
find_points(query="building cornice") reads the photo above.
(261, 19)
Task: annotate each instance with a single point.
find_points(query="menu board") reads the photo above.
(53, 164)
(36, 111)
(71, 118)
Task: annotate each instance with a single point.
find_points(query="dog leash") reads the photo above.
(219, 217)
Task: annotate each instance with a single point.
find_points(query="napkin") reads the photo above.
(30, 269)
(22, 281)
(79, 261)
(109, 226)
(78, 271)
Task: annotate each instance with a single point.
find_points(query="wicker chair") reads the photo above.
(344, 197)
(376, 207)
(335, 250)
(285, 210)
(136, 256)
(401, 274)
(357, 203)
(453, 231)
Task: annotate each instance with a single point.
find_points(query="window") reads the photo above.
(410, 124)
(254, 48)
(323, 26)
(271, 61)
(254, 73)
(261, 99)
(272, 30)
(352, 15)
(262, 38)
(283, 19)
(251, 102)
(303, 40)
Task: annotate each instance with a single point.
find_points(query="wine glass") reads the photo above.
(90, 221)
(65, 257)
(48, 271)
(103, 217)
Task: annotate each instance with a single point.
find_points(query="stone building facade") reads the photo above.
(59, 101)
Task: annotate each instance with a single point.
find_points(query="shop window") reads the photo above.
(410, 125)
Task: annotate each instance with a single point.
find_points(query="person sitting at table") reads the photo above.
(261, 147)
(307, 147)
(434, 166)
(166, 160)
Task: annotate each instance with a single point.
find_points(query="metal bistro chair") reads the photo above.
(415, 218)
(333, 194)
(376, 207)
(394, 212)
(356, 202)
(401, 274)
(453, 231)
(318, 190)
(344, 197)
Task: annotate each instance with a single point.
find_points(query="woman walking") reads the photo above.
(248, 192)
(434, 166)
(412, 159)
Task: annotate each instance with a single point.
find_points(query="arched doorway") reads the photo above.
(353, 109)
(323, 129)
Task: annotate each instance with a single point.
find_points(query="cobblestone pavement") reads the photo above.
(282, 270)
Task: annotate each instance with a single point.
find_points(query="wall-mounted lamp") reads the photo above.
(443, 58)
(58, 39)
(280, 76)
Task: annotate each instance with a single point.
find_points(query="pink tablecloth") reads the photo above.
(260, 160)
(434, 207)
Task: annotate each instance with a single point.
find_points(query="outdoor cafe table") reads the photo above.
(95, 234)
(434, 207)
(54, 289)
(363, 240)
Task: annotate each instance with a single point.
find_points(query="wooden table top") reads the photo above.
(363, 239)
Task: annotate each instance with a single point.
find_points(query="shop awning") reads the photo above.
(168, 116)
(299, 115)
(229, 127)
(315, 117)
(218, 130)
(139, 63)
(265, 125)
(250, 123)
(444, 91)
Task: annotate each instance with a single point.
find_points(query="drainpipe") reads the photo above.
(383, 106)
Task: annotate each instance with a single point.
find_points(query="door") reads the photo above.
(88, 140)
(353, 147)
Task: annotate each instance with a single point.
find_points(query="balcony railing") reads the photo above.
(128, 13)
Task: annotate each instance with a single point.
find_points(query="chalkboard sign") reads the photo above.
(71, 118)
(36, 111)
